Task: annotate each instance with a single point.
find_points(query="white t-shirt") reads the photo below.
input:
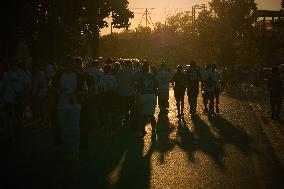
(125, 79)
(68, 84)
(96, 74)
(107, 84)
(163, 78)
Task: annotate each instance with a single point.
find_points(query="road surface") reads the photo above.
(226, 151)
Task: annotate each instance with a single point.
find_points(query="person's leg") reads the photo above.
(182, 105)
(211, 102)
(278, 108)
(205, 101)
(63, 119)
(178, 105)
(153, 125)
(74, 134)
(273, 107)
(217, 94)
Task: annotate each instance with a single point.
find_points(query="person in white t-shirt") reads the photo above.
(163, 78)
(107, 91)
(69, 84)
(125, 89)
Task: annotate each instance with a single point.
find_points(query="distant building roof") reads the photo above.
(268, 13)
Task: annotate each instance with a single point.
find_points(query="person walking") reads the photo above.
(218, 86)
(69, 85)
(179, 87)
(209, 83)
(146, 97)
(275, 88)
(193, 76)
(163, 78)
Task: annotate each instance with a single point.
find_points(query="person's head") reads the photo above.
(78, 63)
(163, 65)
(107, 68)
(128, 64)
(145, 67)
(137, 64)
(95, 63)
(109, 61)
(116, 67)
(208, 67)
(179, 68)
(68, 63)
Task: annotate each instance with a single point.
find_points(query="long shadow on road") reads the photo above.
(231, 134)
(202, 138)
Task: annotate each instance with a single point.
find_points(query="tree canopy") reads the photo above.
(51, 28)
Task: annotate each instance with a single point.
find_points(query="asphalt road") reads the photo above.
(225, 151)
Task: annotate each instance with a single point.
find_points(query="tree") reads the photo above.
(52, 28)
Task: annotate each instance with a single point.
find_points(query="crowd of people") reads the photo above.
(74, 96)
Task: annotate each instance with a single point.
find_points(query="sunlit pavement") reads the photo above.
(231, 150)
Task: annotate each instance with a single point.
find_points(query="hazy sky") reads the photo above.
(169, 7)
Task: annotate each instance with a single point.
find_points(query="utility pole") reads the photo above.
(194, 8)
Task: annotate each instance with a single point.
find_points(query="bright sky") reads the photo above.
(169, 7)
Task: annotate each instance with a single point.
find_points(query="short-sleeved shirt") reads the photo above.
(163, 79)
(68, 84)
(146, 83)
(96, 74)
(125, 79)
(107, 84)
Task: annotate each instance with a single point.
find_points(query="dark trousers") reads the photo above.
(163, 105)
(192, 100)
(275, 103)
(209, 96)
(216, 96)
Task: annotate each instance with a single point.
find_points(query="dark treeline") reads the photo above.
(222, 34)
(51, 28)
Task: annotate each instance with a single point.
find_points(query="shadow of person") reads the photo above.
(186, 139)
(136, 170)
(163, 143)
(207, 142)
(231, 134)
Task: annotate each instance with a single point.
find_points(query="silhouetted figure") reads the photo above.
(193, 77)
(209, 82)
(179, 85)
(146, 97)
(163, 78)
(218, 86)
(69, 85)
(125, 90)
(275, 88)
